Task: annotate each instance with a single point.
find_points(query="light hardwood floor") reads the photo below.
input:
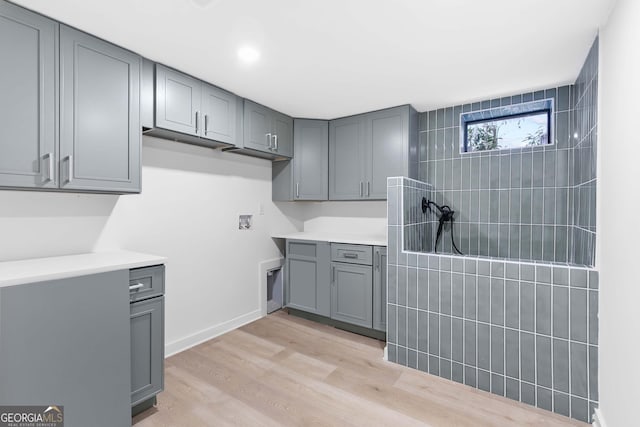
(282, 370)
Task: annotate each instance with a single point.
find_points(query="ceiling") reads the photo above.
(332, 58)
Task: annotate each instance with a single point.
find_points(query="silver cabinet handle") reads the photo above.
(69, 168)
(197, 114)
(275, 142)
(49, 176)
(333, 275)
(350, 255)
(269, 141)
(378, 261)
(368, 188)
(136, 287)
(360, 188)
(297, 189)
(206, 124)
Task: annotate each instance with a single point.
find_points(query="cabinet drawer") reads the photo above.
(302, 248)
(354, 254)
(146, 282)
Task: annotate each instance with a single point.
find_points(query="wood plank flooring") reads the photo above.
(285, 371)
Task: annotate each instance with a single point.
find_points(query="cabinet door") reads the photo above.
(67, 342)
(258, 132)
(308, 277)
(346, 157)
(100, 136)
(387, 132)
(352, 294)
(311, 160)
(178, 99)
(218, 115)
(380, 288)
(28, 76)
(283, 135)
(147, 349)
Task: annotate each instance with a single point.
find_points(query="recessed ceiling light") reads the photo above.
(248, 54)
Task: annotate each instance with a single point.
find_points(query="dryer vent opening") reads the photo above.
(274, 290)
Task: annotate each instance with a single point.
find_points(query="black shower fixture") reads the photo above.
(446, 214)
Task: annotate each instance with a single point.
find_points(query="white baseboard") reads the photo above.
(206, 334)
(598, 419)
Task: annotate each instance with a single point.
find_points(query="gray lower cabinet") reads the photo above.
(147, 349)
(380, 288)
(306, 176)
(267, 131)
(100, 138)
(307, 278)
(66, 342)
(352, 294)
(146, 290)
(366, 149)
(28, 105)
(343, 282)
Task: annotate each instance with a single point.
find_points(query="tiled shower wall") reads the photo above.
(583, 173)
(509, 203)
(533, 203)
(418, 228)
(527, 331)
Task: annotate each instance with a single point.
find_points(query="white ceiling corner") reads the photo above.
(331, 58)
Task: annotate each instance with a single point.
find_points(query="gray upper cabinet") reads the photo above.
(380, 288)
(178, 99)
(306, 176)
(311, 162)
(258, 133)
(352, 294)
(218, 114)
(388, 130)
(307, 282)
(100, 137)
(283, 135)
(28, 103)
(267, 133)
(347, 153)
(187, 109)
(365, 150)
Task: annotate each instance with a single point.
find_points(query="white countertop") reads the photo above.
(61, 267)
(320, 236)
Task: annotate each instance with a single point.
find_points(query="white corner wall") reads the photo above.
(618, 210)
(187, 211)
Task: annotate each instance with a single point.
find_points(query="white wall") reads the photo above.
(188, 211)
(359, 217)
(618, 210)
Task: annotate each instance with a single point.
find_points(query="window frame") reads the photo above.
(513, 111)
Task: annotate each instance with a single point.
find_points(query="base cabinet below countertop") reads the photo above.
(84, 333)
(66, 342)
(343, 283)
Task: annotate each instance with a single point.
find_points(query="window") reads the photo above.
(514, 126)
